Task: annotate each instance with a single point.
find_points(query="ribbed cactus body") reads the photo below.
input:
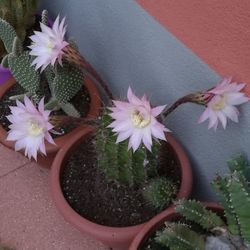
(234, 191)
(177, 236)
(159, 192)
(195, 212)
(116, 161)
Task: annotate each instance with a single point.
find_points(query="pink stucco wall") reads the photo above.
(218, 31)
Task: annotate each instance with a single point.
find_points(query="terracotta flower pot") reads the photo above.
(46, 161)
(5, 74)
(158, 221)
(115, 237)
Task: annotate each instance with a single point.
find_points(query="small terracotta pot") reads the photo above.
(5, 74)
(115, 237)
(159, 220)
(46, 161)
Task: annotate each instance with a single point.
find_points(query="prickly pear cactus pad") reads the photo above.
(67, 82)
(25, 74)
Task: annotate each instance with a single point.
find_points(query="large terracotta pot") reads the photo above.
(159, 220)
(5, 74)
(115, 237)
(46, 161)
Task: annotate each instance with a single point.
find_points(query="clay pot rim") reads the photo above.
(101, 231)
(158, 220)
(94, 109)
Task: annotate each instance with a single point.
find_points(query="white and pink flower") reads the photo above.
(225, 96)
(47, 46)
(136, 120)
(30, 127)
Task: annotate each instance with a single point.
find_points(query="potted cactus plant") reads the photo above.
(100, 175)
(108, 187)
(202, 226)
(21, 15)
(44, 72)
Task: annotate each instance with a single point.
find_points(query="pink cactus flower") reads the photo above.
(47, 46)
(136, 120)
(225, 96)
(30, 127)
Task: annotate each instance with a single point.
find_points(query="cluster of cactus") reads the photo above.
(20, 14)
(234, 191)
(135, 169)
(63, 81)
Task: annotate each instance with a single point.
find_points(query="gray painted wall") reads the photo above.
(128, 47)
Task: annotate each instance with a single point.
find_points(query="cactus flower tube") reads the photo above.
(225, 96)
(136, 120)
(47, 46)
(30, 127)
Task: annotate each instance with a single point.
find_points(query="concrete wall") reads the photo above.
(127, 46)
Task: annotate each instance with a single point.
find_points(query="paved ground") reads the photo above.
(28, 218)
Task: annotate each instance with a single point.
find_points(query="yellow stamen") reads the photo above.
(34, 129)
(220, 104)
(139, 120)
(50, 46)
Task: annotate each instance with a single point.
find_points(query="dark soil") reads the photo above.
(81, 101)
(109, 203)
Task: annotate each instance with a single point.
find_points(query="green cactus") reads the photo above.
(159, 192)
(137, 169)
(116, 161)
(240, 163)
(24, 73)
(7, 35)
(234, 191)
(195, 212)
(177, 236)
(64, 81)
(67, 82)
(20, 15)
(236, 203)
